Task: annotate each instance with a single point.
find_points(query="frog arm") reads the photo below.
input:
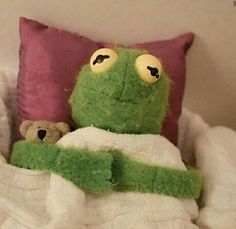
(90, 171)
(132, 175)
(104, 171)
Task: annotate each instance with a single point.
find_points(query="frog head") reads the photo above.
(121, 90)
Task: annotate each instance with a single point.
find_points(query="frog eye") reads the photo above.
(102, 59)
(149, 68)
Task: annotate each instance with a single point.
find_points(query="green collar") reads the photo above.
(107, 171)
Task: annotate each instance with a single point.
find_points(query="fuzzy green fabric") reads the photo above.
(89, 170)
(118, 99)
(130, 175)
(104, 171)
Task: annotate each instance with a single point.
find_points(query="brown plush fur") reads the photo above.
(43, 131)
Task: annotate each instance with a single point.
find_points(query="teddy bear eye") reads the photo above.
(102, 60)
(149, 68)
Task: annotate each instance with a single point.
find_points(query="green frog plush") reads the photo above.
(125, 92)
(131, 176)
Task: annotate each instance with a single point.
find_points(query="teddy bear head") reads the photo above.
(43, 131)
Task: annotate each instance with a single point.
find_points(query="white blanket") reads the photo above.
(5, 134)
(7, 109)
(32, 199)
(216, 157)
(134, 210)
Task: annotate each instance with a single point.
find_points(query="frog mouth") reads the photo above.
(120, 98)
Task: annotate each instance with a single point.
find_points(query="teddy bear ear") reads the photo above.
(25, 126)
(63, 127)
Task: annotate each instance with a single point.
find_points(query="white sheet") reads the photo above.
(31, 199)
(216, 157)
(5, 135)
(7, 109)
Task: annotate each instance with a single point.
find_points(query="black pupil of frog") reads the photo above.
(154, 71)
(100, 58)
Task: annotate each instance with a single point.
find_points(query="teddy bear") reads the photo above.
(43, 131)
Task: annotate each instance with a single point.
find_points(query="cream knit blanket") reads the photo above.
(31, 199)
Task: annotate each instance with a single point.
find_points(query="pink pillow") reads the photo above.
(50, 59)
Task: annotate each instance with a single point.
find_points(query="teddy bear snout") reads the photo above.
(42, 134)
